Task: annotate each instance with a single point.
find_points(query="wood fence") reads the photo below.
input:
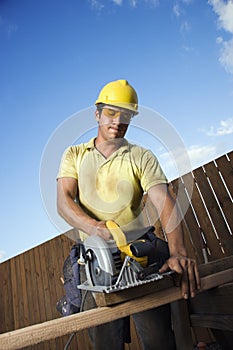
(31, 282)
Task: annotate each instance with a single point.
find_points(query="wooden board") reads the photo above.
(226, 169)
(104, 299)
(56, 328)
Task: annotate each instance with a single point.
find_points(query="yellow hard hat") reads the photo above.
(119, 93)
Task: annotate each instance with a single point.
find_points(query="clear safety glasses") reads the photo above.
(125, 116)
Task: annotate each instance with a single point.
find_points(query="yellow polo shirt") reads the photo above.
(112, 188)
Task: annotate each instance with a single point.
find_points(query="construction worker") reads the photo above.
(105, 179)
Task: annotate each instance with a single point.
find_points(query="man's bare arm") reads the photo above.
(72, 213)
(170, 219)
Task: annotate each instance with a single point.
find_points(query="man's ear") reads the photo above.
(97, 116)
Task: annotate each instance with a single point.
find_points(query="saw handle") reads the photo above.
(141, 248)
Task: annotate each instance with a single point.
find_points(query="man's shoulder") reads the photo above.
(81, 147)
(138, 149)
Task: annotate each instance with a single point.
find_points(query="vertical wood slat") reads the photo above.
(204, 221)
(230, 156)
(14, 293)
(226, 169)
(38, 277)
(81, 340)
(21, 302)
(55, 271)
(189, 224)
(221, 193)
(45, 290)
(52, 282)
(24, 290)
(45, 282)
(3, 297)
(39, 287)
(212, 208)
(7, 307)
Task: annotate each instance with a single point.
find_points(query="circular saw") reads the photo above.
(116, 264)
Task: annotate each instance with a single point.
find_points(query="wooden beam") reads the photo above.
(38, 333)
(216, 266)
(213, 271)
(224, 322)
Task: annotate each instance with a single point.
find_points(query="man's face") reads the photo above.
(113, 122)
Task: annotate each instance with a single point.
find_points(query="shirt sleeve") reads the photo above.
(151, 171)
(68, 165)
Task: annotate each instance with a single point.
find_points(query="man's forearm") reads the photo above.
(71, 212)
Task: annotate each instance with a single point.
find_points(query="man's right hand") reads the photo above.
(101, 230)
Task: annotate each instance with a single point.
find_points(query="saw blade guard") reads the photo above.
(102, 252)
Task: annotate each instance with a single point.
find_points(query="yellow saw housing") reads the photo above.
(121, 242)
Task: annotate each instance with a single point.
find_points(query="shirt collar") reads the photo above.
(90, 145)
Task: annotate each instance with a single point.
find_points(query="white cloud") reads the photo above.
(133, 3)
(226, 55)
(224, 11)
(176, 10)
(188, 48)
(118, 2)
(225, 128)
(2, 255)
(219, 40)
(198, 155)
(185, 27)
(97, 5)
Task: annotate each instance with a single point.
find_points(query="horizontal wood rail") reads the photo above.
(41, 332)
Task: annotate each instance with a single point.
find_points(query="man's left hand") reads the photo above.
(187, 268)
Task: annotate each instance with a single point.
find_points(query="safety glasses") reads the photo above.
(112, 113)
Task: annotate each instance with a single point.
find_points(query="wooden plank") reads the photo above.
(214, 301)
(7, 311)
(14, 294)
(181, 325)
(39, 284)
(19, 294)
(224, 322)
(45, 281)
(32, 286)
(46, 288)
(52, 278)
(190, 225)
(63, 246)
(150, 216)
(23, 286)
(224, 199)
(28, 278)
(213, 209)
(226, 169)
(216, 266)
(216, 279)
(230, 156)
(104, 299)
(2, 297)
(54, 281)
(204, 221)
(56, 328)
(135, 343)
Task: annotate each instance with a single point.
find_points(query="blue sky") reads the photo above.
(56, 55)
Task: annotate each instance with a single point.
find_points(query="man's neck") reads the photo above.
(107, 148)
